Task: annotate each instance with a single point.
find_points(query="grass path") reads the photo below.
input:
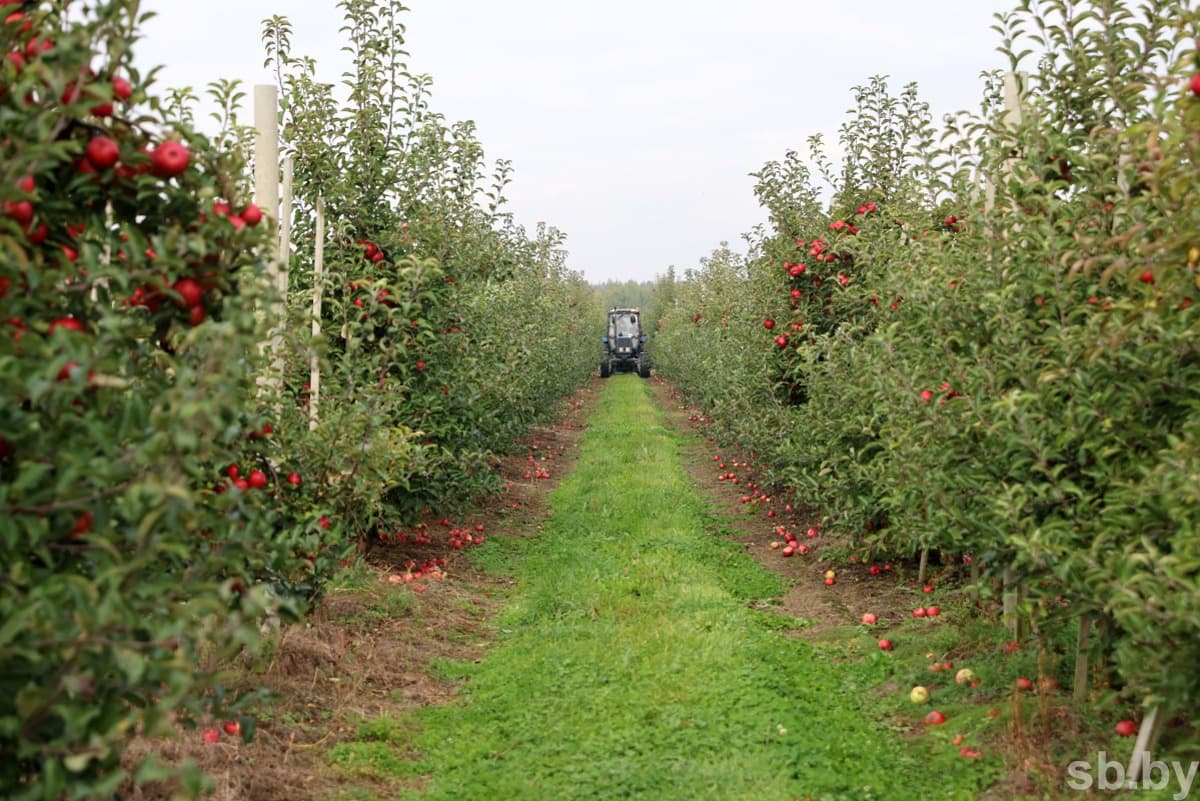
(630, 664)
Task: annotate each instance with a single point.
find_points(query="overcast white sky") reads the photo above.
(632, 125)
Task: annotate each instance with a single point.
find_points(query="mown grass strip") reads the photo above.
(630, 665)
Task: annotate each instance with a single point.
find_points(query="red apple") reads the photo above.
(935, 718)
(885, 645)
(191, 294)
(210, 736)
(83, 524)
(252, 215)
(169, 159)
(121, 88)
(294, 479)
(20, 211)
(257, 479)
(768, 323)
(869, 619)
(1126, 728)
(1023, 684)
(67, 324)
(932, 611)
(103, 152)
(232, 728)
(919, 612)
(67, 370)
(38, 234)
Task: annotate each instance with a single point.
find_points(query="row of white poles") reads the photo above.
(267, 195)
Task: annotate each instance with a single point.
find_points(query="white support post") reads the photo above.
(285, 234)
(1012, 119)
(266, 196)
(1012, 603)
(1147, 736)
(314, 367)
(1014, 92)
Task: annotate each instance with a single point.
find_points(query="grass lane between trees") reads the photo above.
(630, 663)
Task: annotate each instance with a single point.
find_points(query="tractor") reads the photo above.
(625, 344)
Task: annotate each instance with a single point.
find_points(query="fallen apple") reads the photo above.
(935, 718)
(918, 694)
(869, 619)
(964, 676)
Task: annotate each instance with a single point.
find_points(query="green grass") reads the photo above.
(630, 663)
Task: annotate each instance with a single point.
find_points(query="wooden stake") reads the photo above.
(976, 577)
(1079, 692)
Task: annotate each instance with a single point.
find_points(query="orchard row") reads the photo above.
(985, 344)
(161, 488)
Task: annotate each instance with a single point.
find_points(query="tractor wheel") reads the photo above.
(605, 368)
(643, 366)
